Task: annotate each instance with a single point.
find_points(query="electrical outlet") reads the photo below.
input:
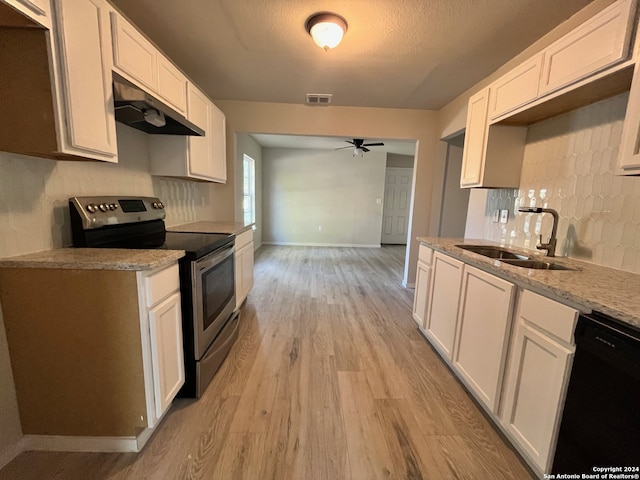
(496, 216)
(319, 228)
(504, 216)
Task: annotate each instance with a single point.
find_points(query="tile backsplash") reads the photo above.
(569, 165)
(34, 193)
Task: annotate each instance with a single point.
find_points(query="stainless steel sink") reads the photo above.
(491, 251)
(535, 264)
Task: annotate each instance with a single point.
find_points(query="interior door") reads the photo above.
(397, 199)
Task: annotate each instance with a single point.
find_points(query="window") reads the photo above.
(249, 189)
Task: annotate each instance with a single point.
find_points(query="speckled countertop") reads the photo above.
(592, 287)
(94, 259)
(212, 227)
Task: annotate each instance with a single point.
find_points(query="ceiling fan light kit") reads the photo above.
(359, 147)
(326, 29)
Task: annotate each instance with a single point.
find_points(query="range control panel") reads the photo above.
(96, 212)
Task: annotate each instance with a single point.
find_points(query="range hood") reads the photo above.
(138, 109)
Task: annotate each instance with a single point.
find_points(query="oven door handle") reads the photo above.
(213, 259)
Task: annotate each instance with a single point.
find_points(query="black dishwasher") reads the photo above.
(601, 419)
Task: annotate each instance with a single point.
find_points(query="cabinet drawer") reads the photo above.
(555, 318)
(425, 254)
(160, 284)
(244, 238)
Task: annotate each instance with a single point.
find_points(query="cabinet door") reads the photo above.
(199, 110)
(217, 136)
(475, 140)
(133, 55)
(244, 272)
(84, 57)
(172, 85)
(629, 151)
(165, 324)
(484, 321)
(596, 44)
(535, 390)
(421, 294)
(37, 10)
(443, 304)
(516, 87)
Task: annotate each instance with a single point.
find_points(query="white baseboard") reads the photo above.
(296, 244)
(409, 285)
(60, 443)
(10, 453)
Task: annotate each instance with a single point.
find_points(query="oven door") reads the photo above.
(214, 296)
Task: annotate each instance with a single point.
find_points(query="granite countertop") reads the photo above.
(235, 228)
(94, 259)
(591, 287)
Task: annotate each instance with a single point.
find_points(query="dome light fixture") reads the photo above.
(326, 29)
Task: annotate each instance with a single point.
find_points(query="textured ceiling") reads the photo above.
(396, 53)
(400, 147)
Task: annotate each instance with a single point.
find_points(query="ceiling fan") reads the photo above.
(359, 147)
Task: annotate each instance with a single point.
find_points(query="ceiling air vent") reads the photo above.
(319, 98)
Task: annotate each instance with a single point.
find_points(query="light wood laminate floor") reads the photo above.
(329, 379)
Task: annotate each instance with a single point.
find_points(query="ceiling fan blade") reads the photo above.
(341, 148)
(378, 144)
(365, 149)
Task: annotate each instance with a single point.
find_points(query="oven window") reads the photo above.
(218, 286)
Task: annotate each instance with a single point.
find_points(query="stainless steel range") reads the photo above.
(207, 276)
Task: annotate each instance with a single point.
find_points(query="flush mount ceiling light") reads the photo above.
(326, 29)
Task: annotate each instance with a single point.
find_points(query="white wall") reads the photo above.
(245, 144)
(309, 190)
(34, 216)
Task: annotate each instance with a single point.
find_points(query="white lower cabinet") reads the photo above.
(482, 336)
(516, 365)
(443, 308)
(539, 366)
(192, 157)
(162, 318)
(244, 266)
(423, 282)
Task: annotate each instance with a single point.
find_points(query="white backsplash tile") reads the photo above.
(34, 193)
(569, 165)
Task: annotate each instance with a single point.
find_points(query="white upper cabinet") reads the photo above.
(598, 43)
(516, 88)
(200, 161)
(492, 155)
(172, 85)
(139, 61)
(217, 133)
(193, 157)
(37, 10)
(88, 127)
(629, 151)
(474, 140)
(134, 57)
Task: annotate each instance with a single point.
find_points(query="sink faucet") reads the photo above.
(550, 246)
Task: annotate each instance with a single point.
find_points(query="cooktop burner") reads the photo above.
(196, 245)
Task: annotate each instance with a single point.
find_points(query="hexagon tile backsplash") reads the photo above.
(569, 165)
